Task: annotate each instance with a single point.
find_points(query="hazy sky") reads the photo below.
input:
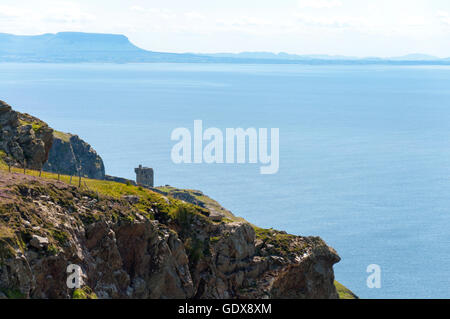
(344, 27)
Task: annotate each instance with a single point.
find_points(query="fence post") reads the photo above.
(59, 176)
(70, 181)
(79, 179)
(24, 166)
(40, 172)
(9, 167)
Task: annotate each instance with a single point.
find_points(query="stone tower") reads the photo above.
(144, 176)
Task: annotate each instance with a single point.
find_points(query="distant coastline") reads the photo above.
(77, 47)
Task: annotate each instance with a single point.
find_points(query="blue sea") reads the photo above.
(364, 150)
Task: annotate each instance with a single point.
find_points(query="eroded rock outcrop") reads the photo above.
(140, 244)
(23, 138)
(135, 242)
(70, 155)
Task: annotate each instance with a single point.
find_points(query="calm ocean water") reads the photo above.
(364, 150)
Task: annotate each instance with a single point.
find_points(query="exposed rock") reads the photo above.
(167, 252)
(38, 242)
(133, 199)
(71, 155)
(196, 197)
(217, 217)
(24, 138)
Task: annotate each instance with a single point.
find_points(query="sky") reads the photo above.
(358, 28)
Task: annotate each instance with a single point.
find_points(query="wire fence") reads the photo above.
(76, 179)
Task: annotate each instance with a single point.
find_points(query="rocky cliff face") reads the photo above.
(135, 243)
(70, 155)
(23, 138)
(26, 139)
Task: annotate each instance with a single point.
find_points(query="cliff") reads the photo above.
(23, 138)
(27, 139)
(71, 155)
(135, 243)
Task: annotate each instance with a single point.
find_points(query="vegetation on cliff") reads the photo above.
(71, 155)
(28, 141)
(278, 242)
(344, 292)
(24, 139)
(131, 241)
(50, 223)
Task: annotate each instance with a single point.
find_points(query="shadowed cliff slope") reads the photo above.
(71, 155)
(25, 139)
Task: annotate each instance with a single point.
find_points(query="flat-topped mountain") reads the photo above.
(73, 41)
(80, 47)
(73, 47)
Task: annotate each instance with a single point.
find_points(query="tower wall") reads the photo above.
(144, 176)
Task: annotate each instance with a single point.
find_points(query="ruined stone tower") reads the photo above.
(144, 176)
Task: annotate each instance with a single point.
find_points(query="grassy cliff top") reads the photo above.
(117, 201)
(344, 292)
(27, 119)
(62, 136)
(198, 198)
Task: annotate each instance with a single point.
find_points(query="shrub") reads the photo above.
(84, 293)
(13, 293)
(195, 250)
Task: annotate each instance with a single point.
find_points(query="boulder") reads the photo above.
(132, 199)
(39, 242)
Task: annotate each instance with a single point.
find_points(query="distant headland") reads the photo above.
(78, 47)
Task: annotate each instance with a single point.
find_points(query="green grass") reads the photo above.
(283, 244)
(344, 292)
(6, 232)
(181, 213)
(13, 293)
(195, 250)
(201, 199)
(228, 220)
(8, 240)
(60, 236)
(149, 201)
(84, 293)
(36, 126)
(214, 239)
(3, 157)
(107, 188)
(109, 196)
(62, 136)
